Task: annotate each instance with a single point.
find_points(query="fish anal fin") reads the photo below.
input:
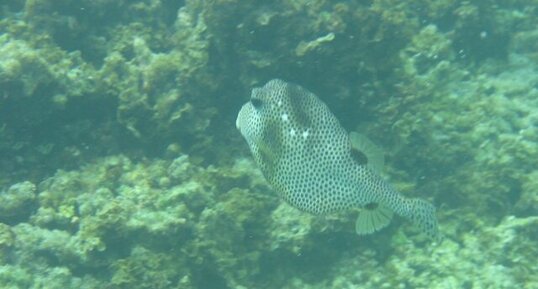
(373, 217)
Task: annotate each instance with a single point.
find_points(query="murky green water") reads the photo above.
(121, 166)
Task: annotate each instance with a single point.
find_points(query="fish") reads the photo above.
(310, 160)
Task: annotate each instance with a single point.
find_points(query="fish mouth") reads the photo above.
(241, 116)
(237, 121)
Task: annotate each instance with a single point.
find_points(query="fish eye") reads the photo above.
(256, 102)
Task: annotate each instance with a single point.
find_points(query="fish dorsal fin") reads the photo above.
(365, 152)
(372, 218)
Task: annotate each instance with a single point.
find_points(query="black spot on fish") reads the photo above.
(359, 157)
(257, 103)
(371, 206)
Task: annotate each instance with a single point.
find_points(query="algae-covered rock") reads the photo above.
(7, 240)
(17, 202)
(147, 269)
(291, 229)
(120, 216)
(17, 59)
(527, 204)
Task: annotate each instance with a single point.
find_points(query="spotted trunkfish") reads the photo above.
(316, 166)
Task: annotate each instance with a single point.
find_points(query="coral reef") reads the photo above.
(130, 221)
(121, 166)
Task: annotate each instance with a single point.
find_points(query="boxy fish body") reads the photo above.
(312, 162)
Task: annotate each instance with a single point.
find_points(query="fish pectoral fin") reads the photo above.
(365, 152)
(373, 217)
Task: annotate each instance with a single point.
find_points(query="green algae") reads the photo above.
(121, 114)
(17, 202)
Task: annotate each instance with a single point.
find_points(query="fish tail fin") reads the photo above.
(422, 213)
(373, 217)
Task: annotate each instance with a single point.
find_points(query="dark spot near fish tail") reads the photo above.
(371, 206)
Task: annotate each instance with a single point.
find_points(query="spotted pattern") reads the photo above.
(306, 155)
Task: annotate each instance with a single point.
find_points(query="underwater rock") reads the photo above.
(17, 202)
